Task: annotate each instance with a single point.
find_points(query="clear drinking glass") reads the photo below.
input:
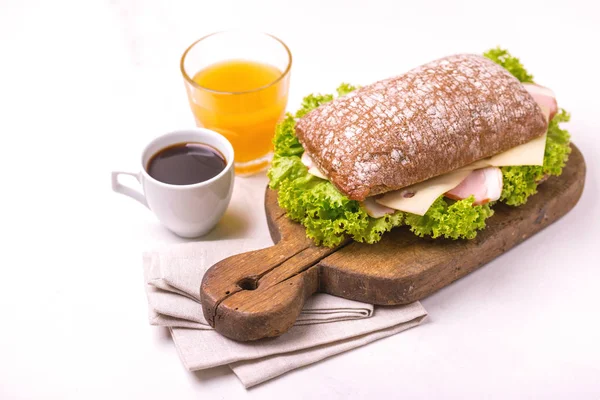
(237, 84)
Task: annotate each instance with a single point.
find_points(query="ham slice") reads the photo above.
(484, 184)
(375, 209)
(545, 97)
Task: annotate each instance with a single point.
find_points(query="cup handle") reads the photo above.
(126, 190)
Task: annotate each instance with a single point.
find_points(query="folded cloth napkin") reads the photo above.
(327, 325)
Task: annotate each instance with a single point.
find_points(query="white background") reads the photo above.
(84, 85)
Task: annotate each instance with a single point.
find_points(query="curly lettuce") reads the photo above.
(453, 220)
(512, 64)
(329, 216)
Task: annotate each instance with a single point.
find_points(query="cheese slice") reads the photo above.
(418, 198)
(530, 153)
(483, 163)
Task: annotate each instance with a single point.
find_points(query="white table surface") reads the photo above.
(83, 86)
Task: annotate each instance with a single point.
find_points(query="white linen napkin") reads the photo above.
(327, 325)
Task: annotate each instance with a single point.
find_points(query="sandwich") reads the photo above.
(433, 149)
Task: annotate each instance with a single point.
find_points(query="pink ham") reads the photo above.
(484, 184)
(375, 209)
(544, 97)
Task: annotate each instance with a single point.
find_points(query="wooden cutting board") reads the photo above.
(260, 293)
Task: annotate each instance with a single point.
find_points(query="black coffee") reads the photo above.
(186, 164)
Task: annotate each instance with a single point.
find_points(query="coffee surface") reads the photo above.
(186, 164)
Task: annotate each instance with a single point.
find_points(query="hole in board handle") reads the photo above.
(248, 283)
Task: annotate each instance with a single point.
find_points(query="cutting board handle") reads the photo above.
(261, 293)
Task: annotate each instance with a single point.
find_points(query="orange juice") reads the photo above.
(243, 100)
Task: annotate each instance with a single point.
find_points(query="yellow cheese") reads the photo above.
(423, 194)
(530, 153)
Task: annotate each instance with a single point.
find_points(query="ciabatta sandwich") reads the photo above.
(433, 149)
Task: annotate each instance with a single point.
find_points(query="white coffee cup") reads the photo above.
(186, 210)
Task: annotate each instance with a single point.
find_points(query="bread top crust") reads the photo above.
(429, 121)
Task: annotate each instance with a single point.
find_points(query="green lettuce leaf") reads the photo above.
(285, 142)
(345, 88)
(512, 64)
(458, 220)
(311, 102)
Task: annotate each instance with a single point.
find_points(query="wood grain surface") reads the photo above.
(261, 293)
